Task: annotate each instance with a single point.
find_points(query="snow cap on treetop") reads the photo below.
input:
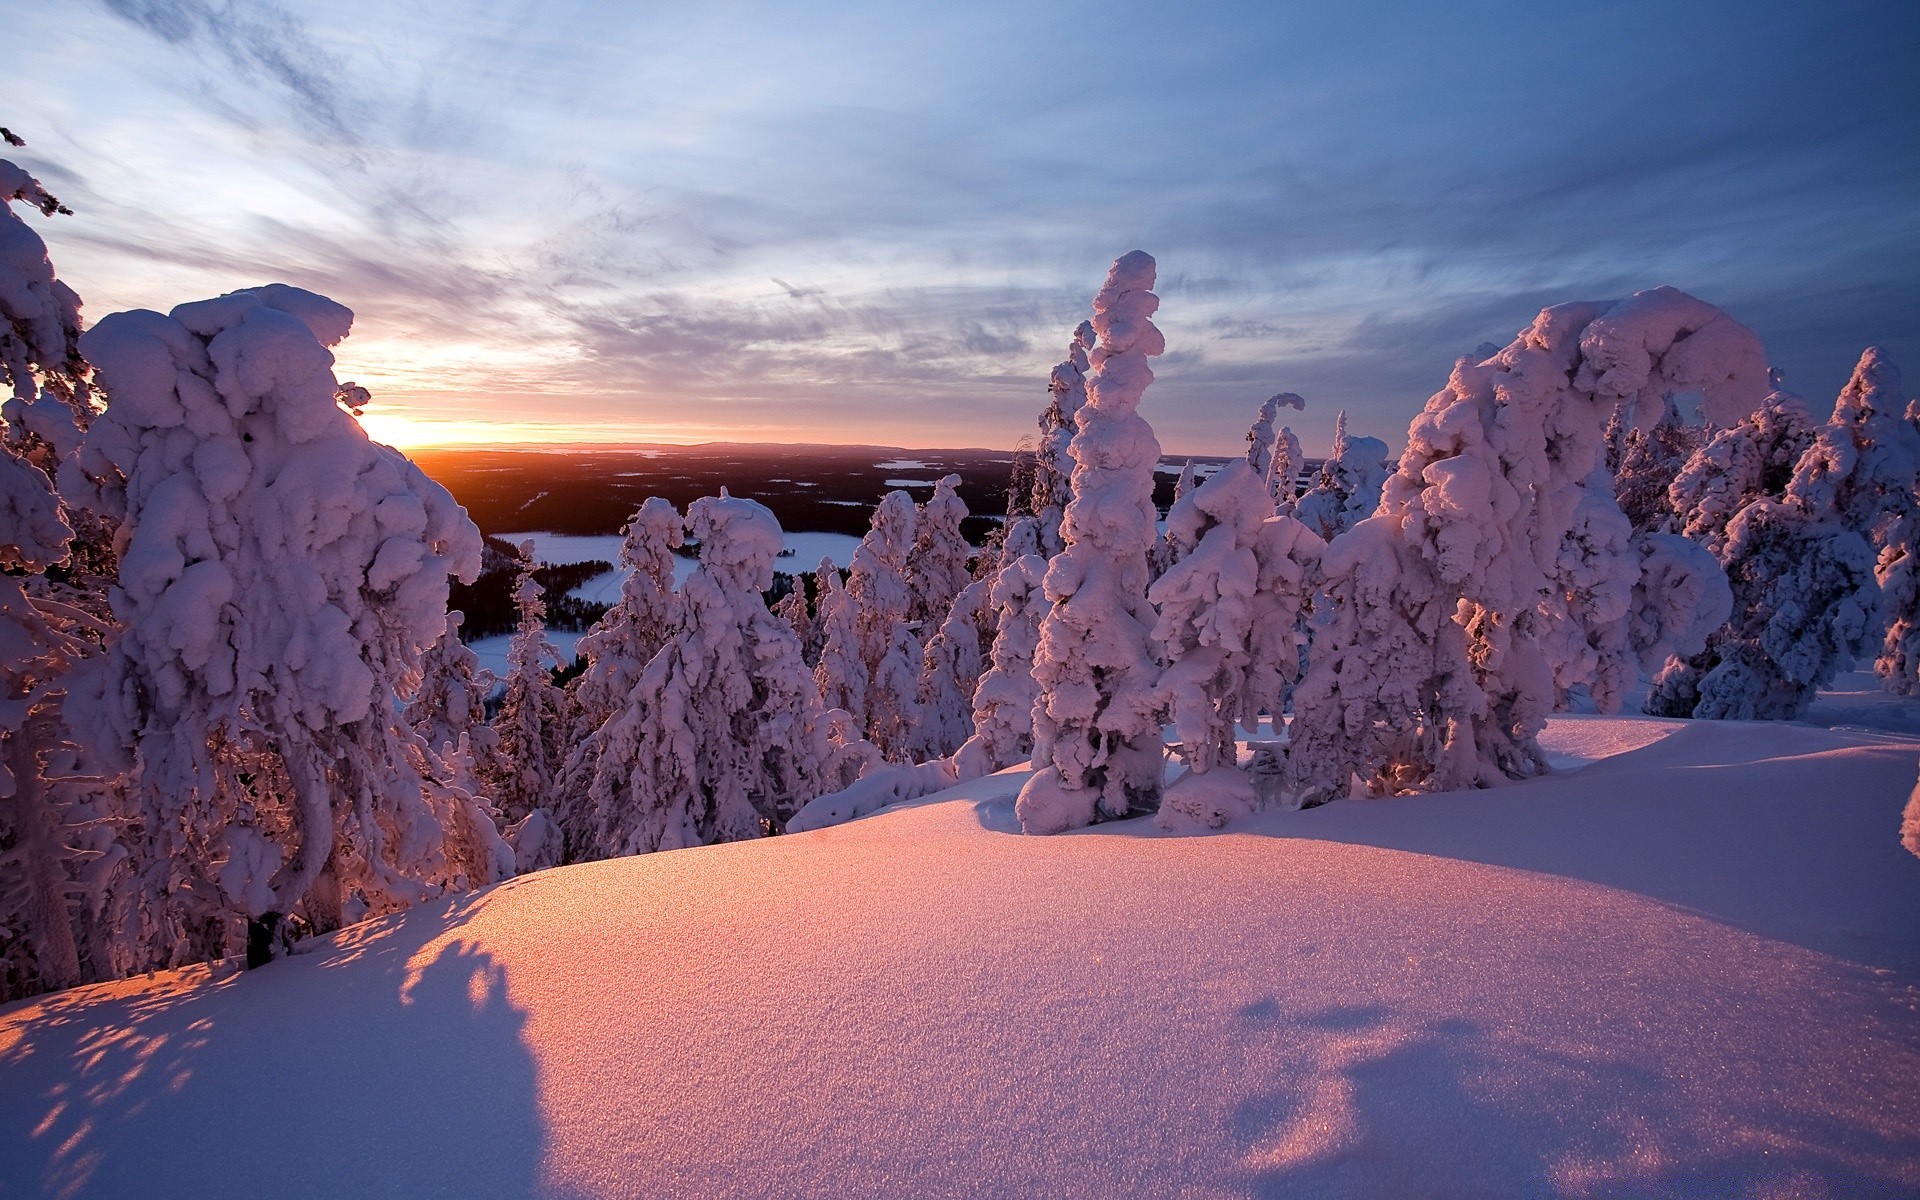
(738, 537)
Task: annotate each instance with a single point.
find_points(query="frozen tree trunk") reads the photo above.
(1096, 724)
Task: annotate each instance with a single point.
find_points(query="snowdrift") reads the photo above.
(1691, 968)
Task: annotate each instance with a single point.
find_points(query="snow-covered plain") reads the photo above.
(1691, 968)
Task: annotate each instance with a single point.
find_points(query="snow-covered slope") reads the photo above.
(1690, 969)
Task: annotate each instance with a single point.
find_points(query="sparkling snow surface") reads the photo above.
(1689, 969)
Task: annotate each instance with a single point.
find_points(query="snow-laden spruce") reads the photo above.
(1751, 459)
(631, 632)
(1003, 701)
(1865, 465)
(724, 737)
(1806, 599)
(869, 657)
(950, 674)
(1348, 488)
(617, 650)
(280, 577)
(1274, 454)
(937, 564)
(522, 770)
(1096, 728)
(1496, 575)
(1205, 624)
(1052, 467)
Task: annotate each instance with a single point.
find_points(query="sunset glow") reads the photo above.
(786, 223)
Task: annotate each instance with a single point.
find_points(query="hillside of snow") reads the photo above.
(1686, 964)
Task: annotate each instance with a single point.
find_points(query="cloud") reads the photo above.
(259, 40)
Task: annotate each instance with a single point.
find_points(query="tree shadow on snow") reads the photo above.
(1368, 1103)
(405, 1075)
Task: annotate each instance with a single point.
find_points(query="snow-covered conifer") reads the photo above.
(1168, 548)
(937, 564)
(869, 659)
(1487, 552)
(280, 578)
(1806, 599)
(523, 772)
(630, 633)
(1052, 467)
(1205, 604)
(617, 649)
(1004, 698)
(724, 737)
(1288, 556)
(1647, 462)
(1751, 459)
(949, 675)
(1096, 728)
(1348, 488)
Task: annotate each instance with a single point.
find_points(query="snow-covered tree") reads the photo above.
(60, 816)
(523, 771)
(1096, 728)
(724, 737)
(1282, 476)
(1645, 463)
(280, 578)
(1004, 699)
(1804, 602)
(870, 660)
(1205, 623)
(1052, 467)
(1454, 622)
(1751, 459)
(1288, 555)
(1348, 488)
(1168, 548)
(792, 608)
(630, 633)
(1806, 598)
(937, 565)
(949, 675)
(450, 701)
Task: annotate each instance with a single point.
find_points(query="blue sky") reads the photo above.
(879, 223)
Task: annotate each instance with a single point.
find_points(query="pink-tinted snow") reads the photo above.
(1688, 969)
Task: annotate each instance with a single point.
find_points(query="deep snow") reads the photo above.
(1690, 968)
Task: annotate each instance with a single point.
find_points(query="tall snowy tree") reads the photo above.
(1096, 728)
(1462, 612)
(522, 770)
(1349, 486)
(617, 651)
(949, 674)
(63, 919)
(870, 659)
(1283, 474)
(937, 565)
(1806, 598)
(724, 737)
(1205, 623)
(1003, 700)
(630, 633)
(1052, 467)
(281, 576)
(1751, 459)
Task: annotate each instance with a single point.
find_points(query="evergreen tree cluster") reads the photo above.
(237, 708)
